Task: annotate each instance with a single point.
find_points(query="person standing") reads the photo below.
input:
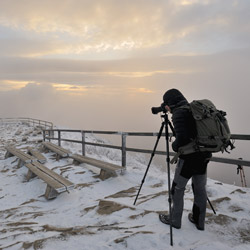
(190, 166)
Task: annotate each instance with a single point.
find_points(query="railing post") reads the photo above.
(43, 135)
(59, 138)
(83, 144)
(49, 134)
(124, 149)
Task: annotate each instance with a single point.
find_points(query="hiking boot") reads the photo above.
(166, 220)
(191, 219)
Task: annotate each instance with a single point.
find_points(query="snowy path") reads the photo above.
(100, 214)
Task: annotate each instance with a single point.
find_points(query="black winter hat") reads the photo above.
(173, 97)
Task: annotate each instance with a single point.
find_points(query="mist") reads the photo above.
(113, 102)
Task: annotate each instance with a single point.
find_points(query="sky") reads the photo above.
(102, 65)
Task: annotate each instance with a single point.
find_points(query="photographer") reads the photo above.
(189, 166)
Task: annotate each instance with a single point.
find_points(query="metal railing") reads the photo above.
(30, 121)
(50, 135)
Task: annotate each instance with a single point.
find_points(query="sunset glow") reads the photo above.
(81, 53)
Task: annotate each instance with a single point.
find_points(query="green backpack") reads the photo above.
(213, 133)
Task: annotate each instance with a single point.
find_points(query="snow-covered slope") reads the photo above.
(100, 214)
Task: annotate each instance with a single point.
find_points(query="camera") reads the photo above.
(156, 110)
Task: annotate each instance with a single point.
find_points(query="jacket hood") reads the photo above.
(174, 98)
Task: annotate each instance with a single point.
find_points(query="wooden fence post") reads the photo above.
(49, 134)
(43, 135)
(124, 149)
(59, 138)
(83, 143)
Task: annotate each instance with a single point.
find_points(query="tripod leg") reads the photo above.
(244, 178)
(169, 185)
(151, 158)
(211, 205)
(241, 178)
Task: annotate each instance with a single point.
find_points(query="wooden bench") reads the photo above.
(22, 156)
(107, 169)
(40, 158)
(60, 152)
(56, 183)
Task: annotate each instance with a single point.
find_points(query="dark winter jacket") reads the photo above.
(184, 124)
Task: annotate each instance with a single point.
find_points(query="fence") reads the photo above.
(30, 121)
(49, 135)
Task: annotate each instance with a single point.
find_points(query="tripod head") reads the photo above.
(165, 119)
(164, 114)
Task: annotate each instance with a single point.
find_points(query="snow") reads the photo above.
(100, 214)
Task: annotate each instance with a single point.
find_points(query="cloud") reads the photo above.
(141, 90)
(135, 74)
(36, 92)
(6, 85)
(34, 47)
(59, 103)
(71, 89)
(122, 103)
(91, 24)
(84, 73)
(78, 76)
(78, 27)
(103, 64)
(33, 99)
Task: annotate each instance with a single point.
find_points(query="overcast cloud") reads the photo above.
(77, 26)
(76, 62)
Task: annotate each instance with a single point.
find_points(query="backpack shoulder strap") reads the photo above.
(186, 106)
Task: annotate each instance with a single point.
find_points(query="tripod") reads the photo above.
(242, 175)
(165, 124)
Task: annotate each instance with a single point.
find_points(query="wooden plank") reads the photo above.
(103, 165)
(20, 154)
(63, 152)
(49, 180)
(55, 149)
(58, 147)
(41, 158)
(68, 184)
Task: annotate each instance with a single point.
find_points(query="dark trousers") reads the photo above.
(200, 195)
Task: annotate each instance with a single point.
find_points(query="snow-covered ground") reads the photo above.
(100, 214)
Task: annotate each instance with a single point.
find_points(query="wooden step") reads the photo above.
(23, 157)
(100, 164)
(41, 158)
(56, 183)
(57, 149)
